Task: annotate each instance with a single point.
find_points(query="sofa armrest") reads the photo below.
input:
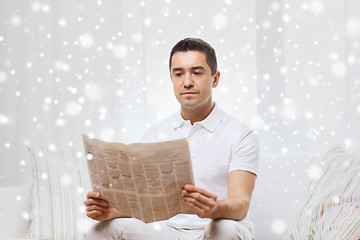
(14, 211)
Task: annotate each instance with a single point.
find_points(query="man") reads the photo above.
(224, 155)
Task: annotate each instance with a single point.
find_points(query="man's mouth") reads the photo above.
(188, 93)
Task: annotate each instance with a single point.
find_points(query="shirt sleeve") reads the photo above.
(245, 153)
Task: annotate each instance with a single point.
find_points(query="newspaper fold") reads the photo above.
(142, 180)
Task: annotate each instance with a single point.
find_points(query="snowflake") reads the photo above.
(3, 76)
(86, 40)
(278, 226)
(317, 7)
(16, 20)
(339, 69)
(314, 172)
(120, 51)
(107, 134)
(73, 109)
(220, 21)
(4, 120)
(353, 26)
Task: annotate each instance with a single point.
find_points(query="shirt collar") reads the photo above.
(210, 122)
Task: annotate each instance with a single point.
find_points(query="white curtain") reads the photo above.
(290, 69)
(307, 58)
(69, 67)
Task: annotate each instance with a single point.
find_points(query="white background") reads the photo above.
(290, 69)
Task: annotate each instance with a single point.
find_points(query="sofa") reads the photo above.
(51, 207)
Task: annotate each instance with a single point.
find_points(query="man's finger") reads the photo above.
(196, 203)
(209, 202)
(93, 195)
(97, 207)
(192, 188)
(199, 211)
(94, 214)
(195, 195)
(92, 201)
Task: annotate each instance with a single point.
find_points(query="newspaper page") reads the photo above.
(142, 180)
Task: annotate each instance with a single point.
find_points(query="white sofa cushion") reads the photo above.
(14, 211)
(61, 182)
(331, 208)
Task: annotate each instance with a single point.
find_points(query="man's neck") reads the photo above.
(198, 114)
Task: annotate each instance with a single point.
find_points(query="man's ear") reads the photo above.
(216, 78)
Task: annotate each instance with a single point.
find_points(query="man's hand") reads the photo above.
(202, 201)
(235, 206)
(97, 208)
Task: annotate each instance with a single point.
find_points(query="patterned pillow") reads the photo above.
(61, 182)
(331, 209)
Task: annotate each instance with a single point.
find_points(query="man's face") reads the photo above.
(192, 79)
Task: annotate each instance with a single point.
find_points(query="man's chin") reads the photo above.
(188, 103)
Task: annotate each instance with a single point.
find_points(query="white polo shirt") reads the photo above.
(218, 145)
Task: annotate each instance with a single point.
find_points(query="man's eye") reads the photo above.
(178, 74)
(197, 73)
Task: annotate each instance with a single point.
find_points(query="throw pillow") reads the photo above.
(331, 209)
(60, 185)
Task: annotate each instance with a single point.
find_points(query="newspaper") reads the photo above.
(142, 180)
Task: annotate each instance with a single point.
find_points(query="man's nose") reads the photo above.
(188, 81)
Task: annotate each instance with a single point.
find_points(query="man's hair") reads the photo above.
(196, 44)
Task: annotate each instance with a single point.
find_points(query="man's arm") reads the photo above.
(205, 204)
